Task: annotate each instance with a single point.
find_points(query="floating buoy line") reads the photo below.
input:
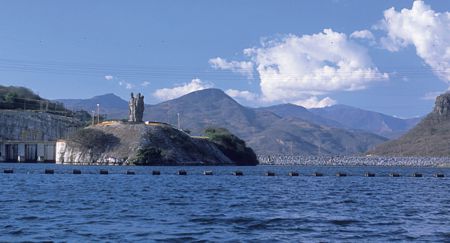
(234, 173)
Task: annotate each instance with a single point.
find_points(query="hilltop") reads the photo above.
(151, 144)
(431, 137)
(263, 130)
(111, 105)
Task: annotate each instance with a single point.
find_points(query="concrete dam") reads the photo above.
(31, 135)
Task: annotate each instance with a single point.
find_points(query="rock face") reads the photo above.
(35, 126)
(431, 137)
(442, 105)
(164, 144)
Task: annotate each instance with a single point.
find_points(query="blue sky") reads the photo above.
(311, 53)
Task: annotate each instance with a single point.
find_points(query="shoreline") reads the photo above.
(412, 162)
(383, 161)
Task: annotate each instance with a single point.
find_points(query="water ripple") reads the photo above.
(224, 208)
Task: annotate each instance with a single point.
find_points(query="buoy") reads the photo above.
(8, 171)
(439, 175)
(394, 174)
(103, 172)
(182, 172)
(339, 174)
(317, 174)
(238, 173)
(156, 172)
(130, 172)
(369, 174)
(207, 172)
(49, 171)
(416, 174)
(76, 172)
(293, 173)
(270, 173)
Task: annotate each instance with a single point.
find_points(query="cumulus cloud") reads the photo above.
(109, 77)
(145, 83)
(422, 27)
(314, 102)
(299, 67)
(242, 94)
(362, 34)
(175, 92)
(243, 68)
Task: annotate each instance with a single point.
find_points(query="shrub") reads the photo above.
(232, 146)
(148, 156)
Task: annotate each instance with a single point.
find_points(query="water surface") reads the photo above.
(127, 208)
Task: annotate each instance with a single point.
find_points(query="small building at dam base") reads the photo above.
(27, 151)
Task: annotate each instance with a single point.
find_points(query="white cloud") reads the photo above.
(362, 34)
(243, 68)
(314, 102)
(242, 94)
(145, 84)
(299, 67)
(427, 30)
(109, 77)
(127, 85)
(175, 92)
(432, 95)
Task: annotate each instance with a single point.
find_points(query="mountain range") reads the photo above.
(285, 128)
(431, 137)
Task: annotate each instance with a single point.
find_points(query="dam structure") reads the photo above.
(30, 136)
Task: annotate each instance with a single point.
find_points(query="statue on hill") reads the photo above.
(136, 108)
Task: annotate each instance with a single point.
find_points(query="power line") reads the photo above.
(76, 68)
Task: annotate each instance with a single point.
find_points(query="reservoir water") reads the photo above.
(117, 207)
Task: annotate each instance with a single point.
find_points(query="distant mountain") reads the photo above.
(295, 111)
(374, 122)
(110, 104)
(267, 130)
(431, 137)
(263, 130)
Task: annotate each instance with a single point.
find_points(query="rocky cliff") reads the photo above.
(35, 126)
(141, 144)
(431, 137)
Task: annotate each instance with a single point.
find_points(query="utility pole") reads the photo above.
(291, 148)
(320, 148)
(98, 113)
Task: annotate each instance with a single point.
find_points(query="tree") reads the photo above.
(232, 146)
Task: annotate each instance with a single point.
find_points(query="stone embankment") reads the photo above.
(353, 161)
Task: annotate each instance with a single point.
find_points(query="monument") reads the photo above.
(136, 108)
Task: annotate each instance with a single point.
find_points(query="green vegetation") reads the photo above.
(232, 146)
(148, 155)
(93, 139)
(14, 98)
(21, 98)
